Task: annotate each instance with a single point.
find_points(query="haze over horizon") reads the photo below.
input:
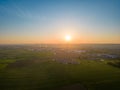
(49, 21)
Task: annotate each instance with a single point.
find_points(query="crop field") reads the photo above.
(31, 67)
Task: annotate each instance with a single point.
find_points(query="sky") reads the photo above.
(49, 21)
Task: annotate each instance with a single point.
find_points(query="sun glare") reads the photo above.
(67, 37)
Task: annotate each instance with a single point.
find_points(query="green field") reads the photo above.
(26, 70)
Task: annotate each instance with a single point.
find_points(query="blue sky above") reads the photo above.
(45, 20)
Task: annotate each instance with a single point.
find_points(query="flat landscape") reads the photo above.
(60, 67)
(59, 44)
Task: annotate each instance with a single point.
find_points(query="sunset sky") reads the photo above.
(49, 21)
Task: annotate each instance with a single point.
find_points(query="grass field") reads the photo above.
(52, 75)
(37, 71)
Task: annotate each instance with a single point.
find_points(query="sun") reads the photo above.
(68, 38)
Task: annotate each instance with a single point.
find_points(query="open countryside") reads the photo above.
(59, 44)
(60, 67)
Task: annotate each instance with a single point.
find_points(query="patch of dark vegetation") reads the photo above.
(19, 64)
(73, 87)
(115, 64)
